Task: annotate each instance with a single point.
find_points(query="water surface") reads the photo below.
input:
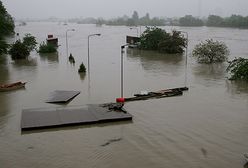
(206, 127)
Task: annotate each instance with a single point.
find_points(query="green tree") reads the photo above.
(210, 51)
(214, 20)
(6, 22)
(189, 20)
(151, 37)
(19, 50)
(135, 17)
(173, 43)
(6, 28)
(29, 41)
(154, 38)
(3, 47)
(47, 48)
(238, 69)
(82, 68)
(236, 21)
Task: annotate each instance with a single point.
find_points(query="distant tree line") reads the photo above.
(236, 21)
(6, 28)
(134, 20)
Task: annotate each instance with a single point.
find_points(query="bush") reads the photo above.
(238, 69)
(29, 41)
(210, 51)
(82, 68)
(157, 39)
(173, 43)
(19, 50)
(47, 48)
(3, 47)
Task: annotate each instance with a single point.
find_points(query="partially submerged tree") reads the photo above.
(210, 51)
(173, 43)
(29, 41)
(6, 28)
(21, 49)
(82, 68)
(47, 48)
(154, 38)
(238, 69)
(3, 47)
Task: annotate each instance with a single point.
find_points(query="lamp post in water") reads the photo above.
(67, 40)
(186, 57)
(131, 28)
(89, 48)
(122, 67)
(138, 30)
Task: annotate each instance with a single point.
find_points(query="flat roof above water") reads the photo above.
(61, 96)
(57, 117)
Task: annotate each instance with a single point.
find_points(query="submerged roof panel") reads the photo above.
(61, 96)
(55, 117)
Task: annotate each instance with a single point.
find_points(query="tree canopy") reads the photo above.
(21, 49)
(6, 28)
(238, 69)
(189, 20)
(154, 38)
(210, 51)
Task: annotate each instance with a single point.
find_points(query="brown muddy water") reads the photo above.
(207, 127)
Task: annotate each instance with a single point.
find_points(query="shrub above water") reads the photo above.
(210, 51)
(47, 48)
(82, 68)
(155, 38)
(238, 69)
(21, 49)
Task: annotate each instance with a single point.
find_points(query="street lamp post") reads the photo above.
(186, 57)
(67, 40)
(89, 48)
(131, 28)
(122, 67)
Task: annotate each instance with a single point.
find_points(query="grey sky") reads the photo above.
(113, 8)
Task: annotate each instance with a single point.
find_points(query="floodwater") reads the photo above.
(207, 127)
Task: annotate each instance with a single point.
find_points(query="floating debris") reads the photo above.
(111, 141)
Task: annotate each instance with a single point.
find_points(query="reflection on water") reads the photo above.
(210, 71)
(205, 127)
(209, 74)
(237, 87)
(82, 76)
(155, 61)
(29, 62)
(49, 57)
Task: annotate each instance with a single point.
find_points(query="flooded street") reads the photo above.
(206, 127)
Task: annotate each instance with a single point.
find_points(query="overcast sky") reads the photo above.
(114, 8)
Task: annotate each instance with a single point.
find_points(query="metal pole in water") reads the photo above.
(89, 49)
(122, 47)
(67, 41)
(122, 71)
(186, 59)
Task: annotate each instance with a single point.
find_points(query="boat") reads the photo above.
(12, 86)
(157, 94)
